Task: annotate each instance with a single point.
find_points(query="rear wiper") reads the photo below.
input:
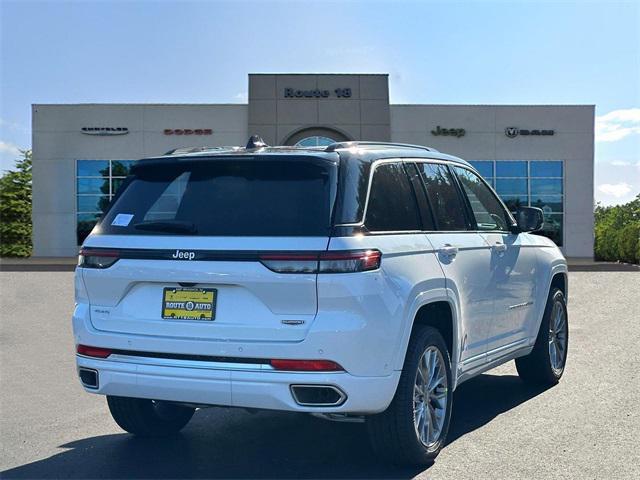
(171, 226)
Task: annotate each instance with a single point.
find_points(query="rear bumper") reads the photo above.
(203, 383)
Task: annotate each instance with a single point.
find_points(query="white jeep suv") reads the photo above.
(358, 281)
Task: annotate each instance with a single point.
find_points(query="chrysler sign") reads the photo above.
(103, 131)
(513, 132)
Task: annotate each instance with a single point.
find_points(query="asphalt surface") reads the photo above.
(586, 427)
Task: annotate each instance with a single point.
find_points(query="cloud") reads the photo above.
(7, 148)
(618, 124)
(617, 190)
(625, 163)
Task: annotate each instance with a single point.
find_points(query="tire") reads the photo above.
(539, 367)
(393, 433)
(148, 418)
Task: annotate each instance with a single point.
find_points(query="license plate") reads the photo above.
(189, 303)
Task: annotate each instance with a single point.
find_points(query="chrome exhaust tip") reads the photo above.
(318, 395)
(88, 377)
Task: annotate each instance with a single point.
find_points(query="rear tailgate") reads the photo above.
(251, 301)
(202, 223)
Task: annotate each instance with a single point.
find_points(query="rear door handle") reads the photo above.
(449, 250)
(500, 247)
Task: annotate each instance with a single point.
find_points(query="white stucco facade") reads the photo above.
(321, 109)
(485, 139)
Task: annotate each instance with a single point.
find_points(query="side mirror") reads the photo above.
(529, 219)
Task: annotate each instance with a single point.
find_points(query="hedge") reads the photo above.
(617, 232)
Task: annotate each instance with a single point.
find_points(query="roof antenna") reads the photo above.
(255, 141)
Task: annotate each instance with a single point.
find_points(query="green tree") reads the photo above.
(15, 208)
(617, 232)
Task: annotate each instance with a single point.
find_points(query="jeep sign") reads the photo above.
(452, 132)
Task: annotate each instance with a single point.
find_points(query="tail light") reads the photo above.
(97, 352)
(306, 365)
(97, 258)
(290, 262)
(349, 261)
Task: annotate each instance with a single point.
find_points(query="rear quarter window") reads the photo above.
(392, 204)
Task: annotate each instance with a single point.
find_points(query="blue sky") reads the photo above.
(448, 52)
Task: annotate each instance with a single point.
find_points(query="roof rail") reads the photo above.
(255, 142)
(185, 150)
(335, 146)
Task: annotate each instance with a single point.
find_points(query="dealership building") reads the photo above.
(538, 155)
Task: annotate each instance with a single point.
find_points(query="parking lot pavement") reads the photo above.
(586, 427)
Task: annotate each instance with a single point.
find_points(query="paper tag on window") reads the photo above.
(122, 220)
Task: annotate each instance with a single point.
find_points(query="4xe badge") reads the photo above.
(180, 255)
(513, 132)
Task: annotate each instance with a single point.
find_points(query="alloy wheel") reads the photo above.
(558, 338)
(430, 396)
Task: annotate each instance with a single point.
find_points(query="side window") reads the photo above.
(448, 208)
(421, 196)
(392, 204)
(487, 210)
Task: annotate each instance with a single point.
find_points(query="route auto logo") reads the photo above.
(188, 131)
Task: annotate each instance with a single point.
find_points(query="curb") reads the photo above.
(606, 267)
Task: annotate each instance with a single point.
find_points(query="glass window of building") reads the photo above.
(315, 141)
(511, 169)
(97, 181)
(488, 212)
(535, 183)
(485, 168)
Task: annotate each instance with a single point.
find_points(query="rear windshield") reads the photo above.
(221, 197)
